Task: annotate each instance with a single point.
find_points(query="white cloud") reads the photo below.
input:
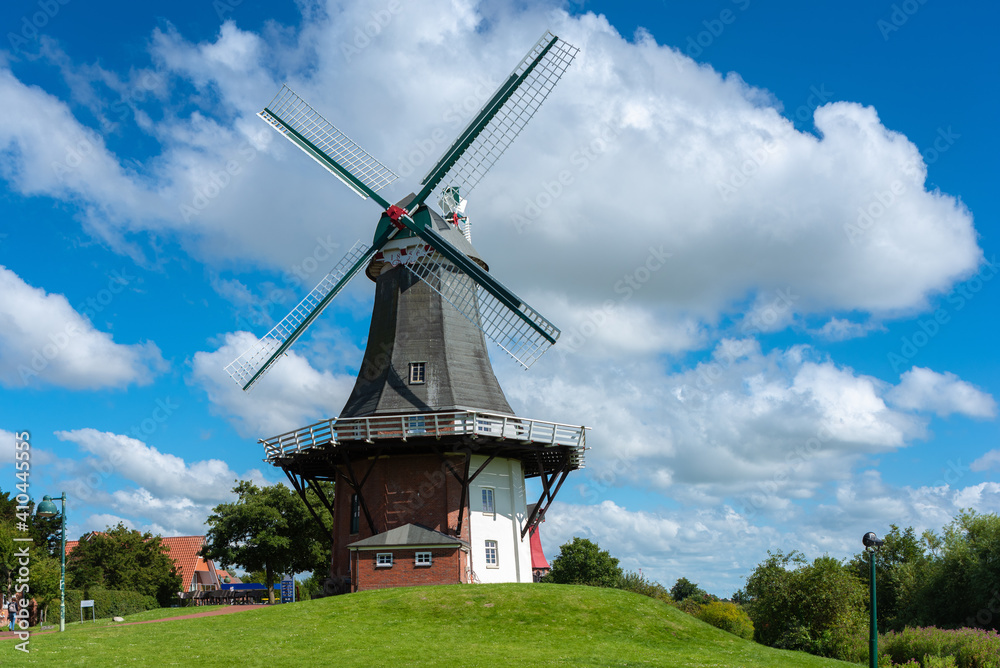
(7, 441)
(178, 516)
(145, 488)
(770, 427)
(697, 543)
(629, 119)
(43, 340)
(290, 395)
(922, 389)
(162, 473)
(103, 521)
(991, 460)
(838, 329)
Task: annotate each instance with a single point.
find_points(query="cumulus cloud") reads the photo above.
(45, 341)
(770, 426)
(839, 329)
(667, 543)
(290, 395)
(784, 211)
(162, 473)
(922, 389)
(7, 441)
(989, 461)
(162, 492)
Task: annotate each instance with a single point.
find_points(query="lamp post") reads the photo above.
(872, 543)
(47, 508)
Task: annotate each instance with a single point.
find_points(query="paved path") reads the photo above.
(229, 609)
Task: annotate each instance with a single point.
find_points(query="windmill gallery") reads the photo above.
(427, 459)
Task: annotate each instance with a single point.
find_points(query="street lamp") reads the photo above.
(872, 543)
(47, 508)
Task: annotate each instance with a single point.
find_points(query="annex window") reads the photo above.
(491, 554)
(355, 513)
(383, 560)
(418, 373)
(422, 559)
(488, 507)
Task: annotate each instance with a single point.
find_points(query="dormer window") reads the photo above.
(417, 373)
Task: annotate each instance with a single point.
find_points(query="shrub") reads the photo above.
(728, 617)
(638, 584)
(107, 603)
(969, 648)
(689, 605)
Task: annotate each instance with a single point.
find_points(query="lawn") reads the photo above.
(460, 625)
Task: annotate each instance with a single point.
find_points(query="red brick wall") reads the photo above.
(401, 489)
(447, 567)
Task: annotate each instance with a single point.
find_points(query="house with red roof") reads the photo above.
(197, 573)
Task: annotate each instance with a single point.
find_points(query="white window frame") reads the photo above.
(494, 548)
(418, 373)
(422, 559)
(491, 508)
(383, 560)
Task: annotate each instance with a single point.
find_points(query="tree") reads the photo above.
(43, 531)
(817, 608)
(45, 573)
(684, 588)
(126, 560)
(901, 565)
(583, 562)
(267, 529)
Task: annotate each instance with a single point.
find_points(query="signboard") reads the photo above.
(88, 604)
(288, 590)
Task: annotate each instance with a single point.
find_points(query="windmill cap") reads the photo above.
(452, 234)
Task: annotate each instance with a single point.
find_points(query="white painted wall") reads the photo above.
(506, 478)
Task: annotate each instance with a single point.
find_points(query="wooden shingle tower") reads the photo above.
(427, 458)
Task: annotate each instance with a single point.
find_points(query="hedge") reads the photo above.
(107, 603)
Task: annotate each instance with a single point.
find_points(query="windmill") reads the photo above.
(427, 446)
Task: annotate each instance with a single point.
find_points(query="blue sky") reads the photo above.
(814, 360)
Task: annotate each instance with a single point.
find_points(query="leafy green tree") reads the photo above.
(901, 566)
(44, 532)
(817, 608)
(267, 529)
(684, 588)
(124, 559)
(968, 578)
(45, 573)
(582, 562)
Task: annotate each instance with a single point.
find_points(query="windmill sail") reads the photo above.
(502, 118)
(305, 127)
(251, 365)
(508, 329)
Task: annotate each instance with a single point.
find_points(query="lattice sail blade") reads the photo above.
(502, 118)
(323, 142)
(251, 365)
(496, 320)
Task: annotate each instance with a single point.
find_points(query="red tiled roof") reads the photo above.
(184, 551)
(225, 574)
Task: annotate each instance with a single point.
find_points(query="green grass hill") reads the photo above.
(457, 626)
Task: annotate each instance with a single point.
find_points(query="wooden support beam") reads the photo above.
(547, 496)
(353, 482)
(465, 494)
(302, 494)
